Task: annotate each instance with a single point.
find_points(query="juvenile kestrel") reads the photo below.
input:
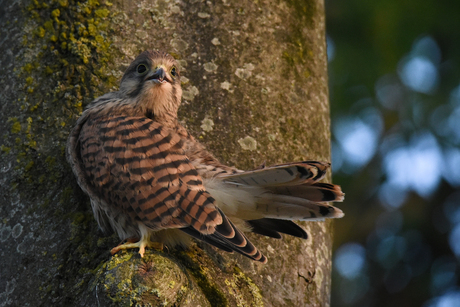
(151, 181)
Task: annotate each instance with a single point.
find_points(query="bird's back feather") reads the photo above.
(139, 166)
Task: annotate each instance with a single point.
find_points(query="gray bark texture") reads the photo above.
(255, 91)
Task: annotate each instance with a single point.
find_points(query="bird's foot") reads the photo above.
(141, 244)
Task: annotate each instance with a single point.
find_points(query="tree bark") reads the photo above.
(255, 91)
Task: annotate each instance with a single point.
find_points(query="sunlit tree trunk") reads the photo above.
(255, 91)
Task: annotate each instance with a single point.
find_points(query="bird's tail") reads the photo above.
(286, 192)
(266, 200)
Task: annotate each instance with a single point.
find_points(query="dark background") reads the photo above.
(394, 74)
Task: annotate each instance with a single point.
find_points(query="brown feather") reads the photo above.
(139, 166)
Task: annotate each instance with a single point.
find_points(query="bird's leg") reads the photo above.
(141, 244)
(129, 240)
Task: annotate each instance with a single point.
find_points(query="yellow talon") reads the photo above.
(141, 244)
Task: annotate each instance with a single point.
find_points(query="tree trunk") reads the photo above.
(255, 91)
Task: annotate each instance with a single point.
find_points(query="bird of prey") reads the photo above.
(150, 180)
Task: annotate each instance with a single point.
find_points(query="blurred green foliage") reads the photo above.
(399, 242)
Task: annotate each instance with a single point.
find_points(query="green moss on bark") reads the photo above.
(67, 49)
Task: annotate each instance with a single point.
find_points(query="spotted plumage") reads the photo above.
(150, 181)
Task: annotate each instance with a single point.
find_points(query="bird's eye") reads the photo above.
(173, 71)
(141, 68)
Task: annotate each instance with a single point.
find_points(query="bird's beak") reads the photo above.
(158, 76)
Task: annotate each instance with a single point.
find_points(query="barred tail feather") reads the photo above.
(280, 175)
(317, 192)
(295, 208)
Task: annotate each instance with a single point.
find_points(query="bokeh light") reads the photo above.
(350, 260)
(419, 74)
(416, 166)
(357, 137)
(418, 70)
(394, 71)
(450, 299)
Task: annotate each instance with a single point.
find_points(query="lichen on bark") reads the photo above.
(56, 57)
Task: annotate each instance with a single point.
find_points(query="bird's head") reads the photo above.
(152, 82)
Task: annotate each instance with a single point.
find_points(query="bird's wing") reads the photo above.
(140, 167)
(233, 240)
